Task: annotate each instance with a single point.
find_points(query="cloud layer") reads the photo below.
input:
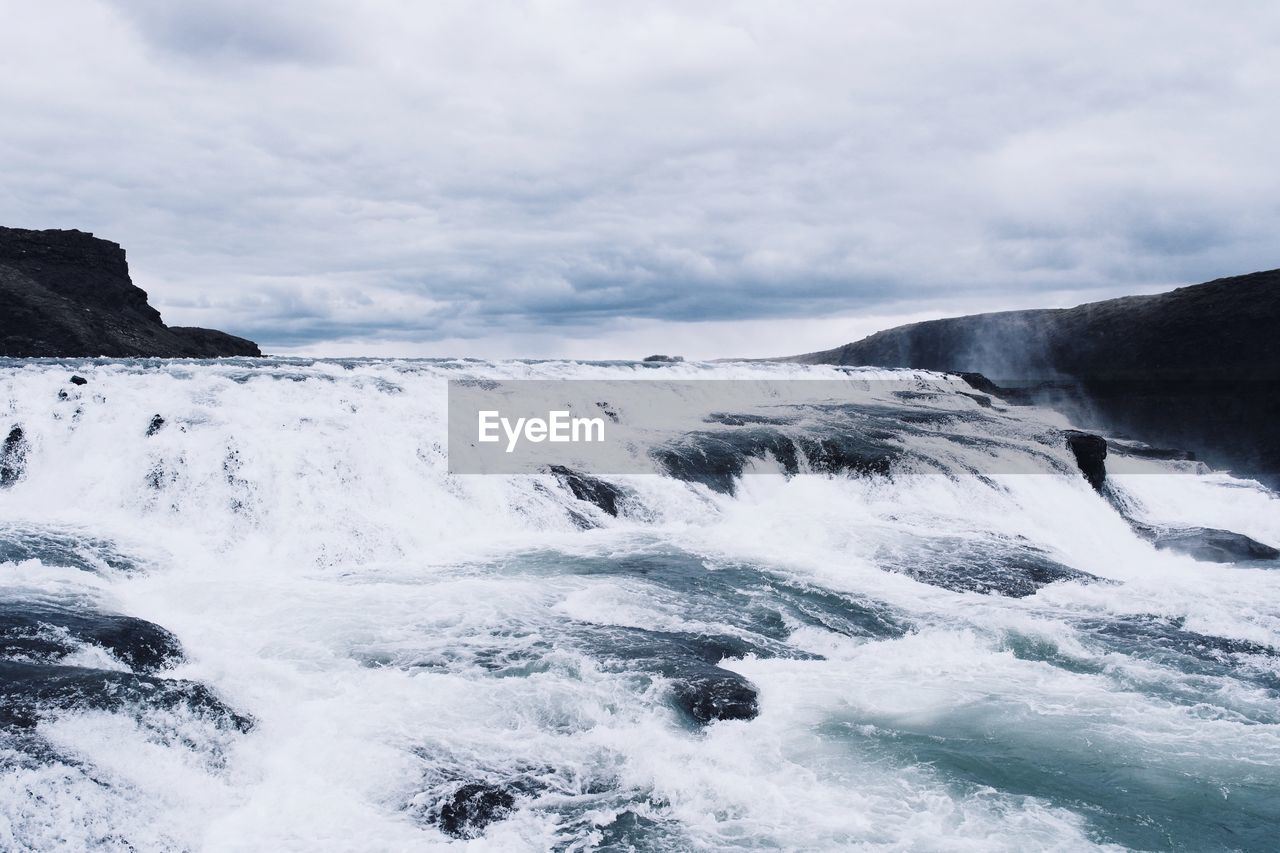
(455, 176)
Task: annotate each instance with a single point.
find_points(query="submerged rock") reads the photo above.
(719, 459)
(1208, 543)
(1091, 456)
(157, 424)
(993, 567)
(79, 380)
(472, 807)
(701, 689)
(61, 547)
(30, 691)
(45, 631)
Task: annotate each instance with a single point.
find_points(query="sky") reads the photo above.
(613, 179)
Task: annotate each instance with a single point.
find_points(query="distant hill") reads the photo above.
(1197, 367)
(68, 294)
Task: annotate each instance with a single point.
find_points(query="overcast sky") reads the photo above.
(613, 179)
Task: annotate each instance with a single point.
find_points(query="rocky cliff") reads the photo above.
(68, 294)
(1197, 367)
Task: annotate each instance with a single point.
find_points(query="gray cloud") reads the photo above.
(236, 30)
(306, 173)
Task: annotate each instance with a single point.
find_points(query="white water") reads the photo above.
(304, 528)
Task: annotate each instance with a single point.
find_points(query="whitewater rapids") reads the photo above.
(361, 633)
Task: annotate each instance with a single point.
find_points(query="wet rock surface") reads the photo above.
(31, 691)
(471, 808)
(13, 456)
(1208, 543)
(593, 490)
(709, 696)
(63, 652)
(44, 630)
(1090, 452)
(1012, 568)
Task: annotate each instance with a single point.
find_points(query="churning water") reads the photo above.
(244, 605)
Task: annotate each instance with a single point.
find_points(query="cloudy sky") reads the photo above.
(610, 179)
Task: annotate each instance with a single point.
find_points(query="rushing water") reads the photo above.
(271, 619)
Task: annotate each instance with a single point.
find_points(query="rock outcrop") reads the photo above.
(68, 294)
(1091, 456)
(1195, 368)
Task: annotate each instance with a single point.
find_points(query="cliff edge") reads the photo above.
(68, 294)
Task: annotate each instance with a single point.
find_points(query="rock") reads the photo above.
(157, 424)
(47, 630)
(1208, 544)
(664, 359)
(30, 691)
(79, 380)
(978, 382)
(1091, 456)
(590, 489)
(1196, 368)
(68, 294)
(472, 807)
(719, 459)
(989, 566)
(716, 694)
(13, 457)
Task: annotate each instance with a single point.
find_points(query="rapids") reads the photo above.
(245, 605)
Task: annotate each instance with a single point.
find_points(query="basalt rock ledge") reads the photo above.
(67, 294)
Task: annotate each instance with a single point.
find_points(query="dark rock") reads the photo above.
(47, 630)
(13, 457)
(719, 459)
(79, 380)
(978, 382)
(157, 423)
(1091, 456)
(30, 691)
(590, 489)
(1197, 367)
(664, 359)
(68, 294)
(968, 564)
(716, 694)
(472, 807)
(1208, 544)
